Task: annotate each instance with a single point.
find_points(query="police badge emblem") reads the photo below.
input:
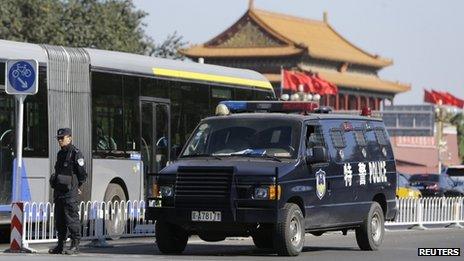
(320, 183)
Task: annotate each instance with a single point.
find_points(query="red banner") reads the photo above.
(311, 83)
(445, 98)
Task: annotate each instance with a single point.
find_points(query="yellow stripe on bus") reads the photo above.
(211, 78)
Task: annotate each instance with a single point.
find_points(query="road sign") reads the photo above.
(21, 80)
(21, 77)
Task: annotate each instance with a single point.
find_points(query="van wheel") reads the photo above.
(262, 238)
(369, 235)
(290, 234)
(170, 239)
(115, 222)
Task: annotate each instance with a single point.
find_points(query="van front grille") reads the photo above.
(203, 187)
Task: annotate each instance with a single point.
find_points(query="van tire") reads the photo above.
(170, 239)
(115, 226)
(290, 233)
(263, 238)
(366, 237)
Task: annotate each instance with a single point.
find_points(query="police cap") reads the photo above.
(63, 132)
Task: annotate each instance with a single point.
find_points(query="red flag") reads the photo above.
(430, 97)
(455, 100)
(446, 98)
(291, 81)
(439, 97)
(307, 82)
(324, 87)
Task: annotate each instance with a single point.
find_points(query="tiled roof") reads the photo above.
(353, 80)
(201, 51)
(318, 38)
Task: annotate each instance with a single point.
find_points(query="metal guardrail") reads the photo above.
(38, 218)
(429, 211)
(96, 218)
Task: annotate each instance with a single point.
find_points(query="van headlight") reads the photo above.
(261, 193)
(267, 192)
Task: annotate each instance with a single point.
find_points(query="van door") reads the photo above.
(319, 198)
(343, 168)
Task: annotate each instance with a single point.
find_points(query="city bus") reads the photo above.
(130, 115)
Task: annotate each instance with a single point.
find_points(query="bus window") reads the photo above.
(131, 93)
(219, 94)
(107, 113)
(155, 87)
(189, 104)
(262, 95)
(36, 121)
(243, 94)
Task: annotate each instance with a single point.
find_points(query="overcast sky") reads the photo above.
(424, 38)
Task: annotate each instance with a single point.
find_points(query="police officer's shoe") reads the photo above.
(58, 249)
(74, 248)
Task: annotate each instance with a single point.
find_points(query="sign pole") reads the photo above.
(19, 147)
(21, 78)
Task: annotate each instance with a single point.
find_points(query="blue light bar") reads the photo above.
(270, 106)
(235, 106)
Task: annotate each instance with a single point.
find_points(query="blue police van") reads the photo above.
(274, 171)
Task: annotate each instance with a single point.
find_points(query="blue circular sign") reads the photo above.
(21, 76)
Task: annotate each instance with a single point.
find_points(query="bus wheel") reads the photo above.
(170, 239)
(290, 233)
(115, 222)
(369, 235)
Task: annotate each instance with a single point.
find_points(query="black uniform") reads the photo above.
(69, 175)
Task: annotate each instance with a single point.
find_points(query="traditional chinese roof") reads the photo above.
(261, 33)
(352, 80)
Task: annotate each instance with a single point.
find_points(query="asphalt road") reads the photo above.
(397, 245)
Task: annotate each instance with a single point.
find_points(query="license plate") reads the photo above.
(208, 216)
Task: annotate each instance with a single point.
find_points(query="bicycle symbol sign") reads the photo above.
(22, 77)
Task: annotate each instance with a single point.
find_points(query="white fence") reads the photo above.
(429, 211)
(101, 220)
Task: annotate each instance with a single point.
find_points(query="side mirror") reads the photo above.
(317, 154)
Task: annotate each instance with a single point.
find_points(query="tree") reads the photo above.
(169, 48)
(104, 24)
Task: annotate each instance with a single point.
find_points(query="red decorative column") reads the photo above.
(346, 102)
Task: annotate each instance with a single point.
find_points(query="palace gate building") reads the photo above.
(267, 42)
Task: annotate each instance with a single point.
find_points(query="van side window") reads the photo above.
(314, 136)
(380, 136)
(338, 139)
(360, 137)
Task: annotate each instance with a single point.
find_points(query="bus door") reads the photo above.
(155, 133)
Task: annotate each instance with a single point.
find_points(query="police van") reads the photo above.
(274, 171)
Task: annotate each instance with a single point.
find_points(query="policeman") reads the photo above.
(66, 181)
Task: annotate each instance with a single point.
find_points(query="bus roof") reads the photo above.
(141, 64)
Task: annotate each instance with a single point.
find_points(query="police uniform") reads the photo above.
(69, 176)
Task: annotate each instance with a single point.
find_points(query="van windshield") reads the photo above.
(245, 137)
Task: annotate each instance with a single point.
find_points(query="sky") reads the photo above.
(425, 39)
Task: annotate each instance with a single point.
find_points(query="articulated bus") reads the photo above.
(130, 115)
